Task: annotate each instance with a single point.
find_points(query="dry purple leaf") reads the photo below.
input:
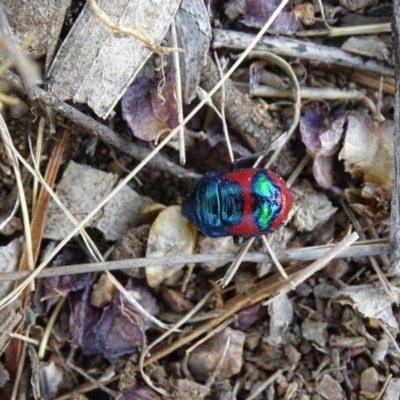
(149, 108)
(255, 70)
(322, 142)
(83, 319)
(121, 328)
(249, 315)
(139, 392)
(257, 13)
(118, 329)
(62, 285)
(137, 110)
(163, 100)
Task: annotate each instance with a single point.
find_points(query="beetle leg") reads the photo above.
(239, 241)
(246, 158)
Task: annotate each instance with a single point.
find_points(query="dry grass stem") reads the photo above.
(316, 94)
(348, 30)
(178, 94)
(37, 158)
(136, 32)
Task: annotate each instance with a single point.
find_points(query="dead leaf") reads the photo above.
(170, 234)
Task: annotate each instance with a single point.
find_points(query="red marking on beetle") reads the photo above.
(247, 226)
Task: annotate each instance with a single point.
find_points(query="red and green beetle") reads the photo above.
(241, 203)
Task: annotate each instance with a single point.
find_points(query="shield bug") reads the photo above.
(241, 203)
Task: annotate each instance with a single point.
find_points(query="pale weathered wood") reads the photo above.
(395, 227)
(297, 48)
(193, 26)
(95, 65)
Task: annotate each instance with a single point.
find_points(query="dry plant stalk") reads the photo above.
(136, 32)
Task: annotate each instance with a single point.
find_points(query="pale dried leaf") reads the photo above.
(368, 149)
(94, 65)
(281, 313)
(371, 301)
(170, 234)
(311, 207)
(278, 241)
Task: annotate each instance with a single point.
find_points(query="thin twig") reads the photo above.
(94, 382)
(217, 370)
(315, 94)
(131, 299)
(37, 158)
(360, 249)
(17, 380)
(387, 287)
(211, 334)
(370, 29)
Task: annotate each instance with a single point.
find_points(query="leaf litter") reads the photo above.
(304, 339)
